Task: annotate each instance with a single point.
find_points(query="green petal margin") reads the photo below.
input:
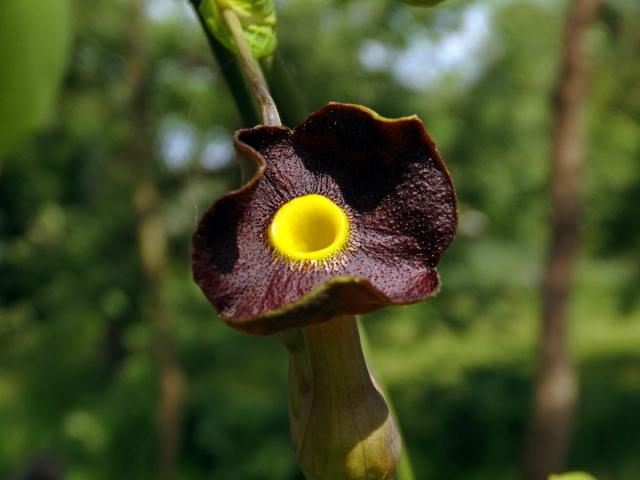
(257, 17)
(337, 297)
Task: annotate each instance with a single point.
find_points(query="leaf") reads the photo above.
(257, 17)
(34, 41)
(572, 476)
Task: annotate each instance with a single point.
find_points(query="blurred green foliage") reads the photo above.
(77, 378)
(34, 42)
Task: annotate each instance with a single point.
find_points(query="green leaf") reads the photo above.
(572, 476)
(257, 17)
(34, 42)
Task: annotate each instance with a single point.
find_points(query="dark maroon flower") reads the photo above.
(347, 213)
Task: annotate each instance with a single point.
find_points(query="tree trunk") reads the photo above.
(556, 384)
(152, 247)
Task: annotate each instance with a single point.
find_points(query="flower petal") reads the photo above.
(390, 172)
(388, 177)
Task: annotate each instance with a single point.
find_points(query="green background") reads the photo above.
(77, 374)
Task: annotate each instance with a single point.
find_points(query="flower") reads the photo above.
(346, 213)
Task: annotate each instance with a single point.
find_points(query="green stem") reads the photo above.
(341, 426)
(242, 72)
(232, 73)
(405, 469)
(252, 71)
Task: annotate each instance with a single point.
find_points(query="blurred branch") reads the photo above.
(152, 245)
(556, 384)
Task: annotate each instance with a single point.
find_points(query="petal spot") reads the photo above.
(310, 227)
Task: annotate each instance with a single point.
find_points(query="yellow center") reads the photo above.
(310, 227)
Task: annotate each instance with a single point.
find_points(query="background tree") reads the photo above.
(556, 382)
(152, 244)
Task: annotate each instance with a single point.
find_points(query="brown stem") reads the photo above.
(556, 384)
(341, 425)
(252, 71)
(152, 247)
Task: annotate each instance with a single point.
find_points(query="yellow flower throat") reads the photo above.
(310, 227)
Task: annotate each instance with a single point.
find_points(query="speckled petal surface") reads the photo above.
(388, 177)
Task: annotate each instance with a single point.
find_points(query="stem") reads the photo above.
(342, 427)
(232, 73)
(242, 73)
(255, 79)
(300, 385)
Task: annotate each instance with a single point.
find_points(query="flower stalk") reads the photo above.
(255, 78)
(341, 425)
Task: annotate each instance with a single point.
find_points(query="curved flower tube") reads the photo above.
(346, 213)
